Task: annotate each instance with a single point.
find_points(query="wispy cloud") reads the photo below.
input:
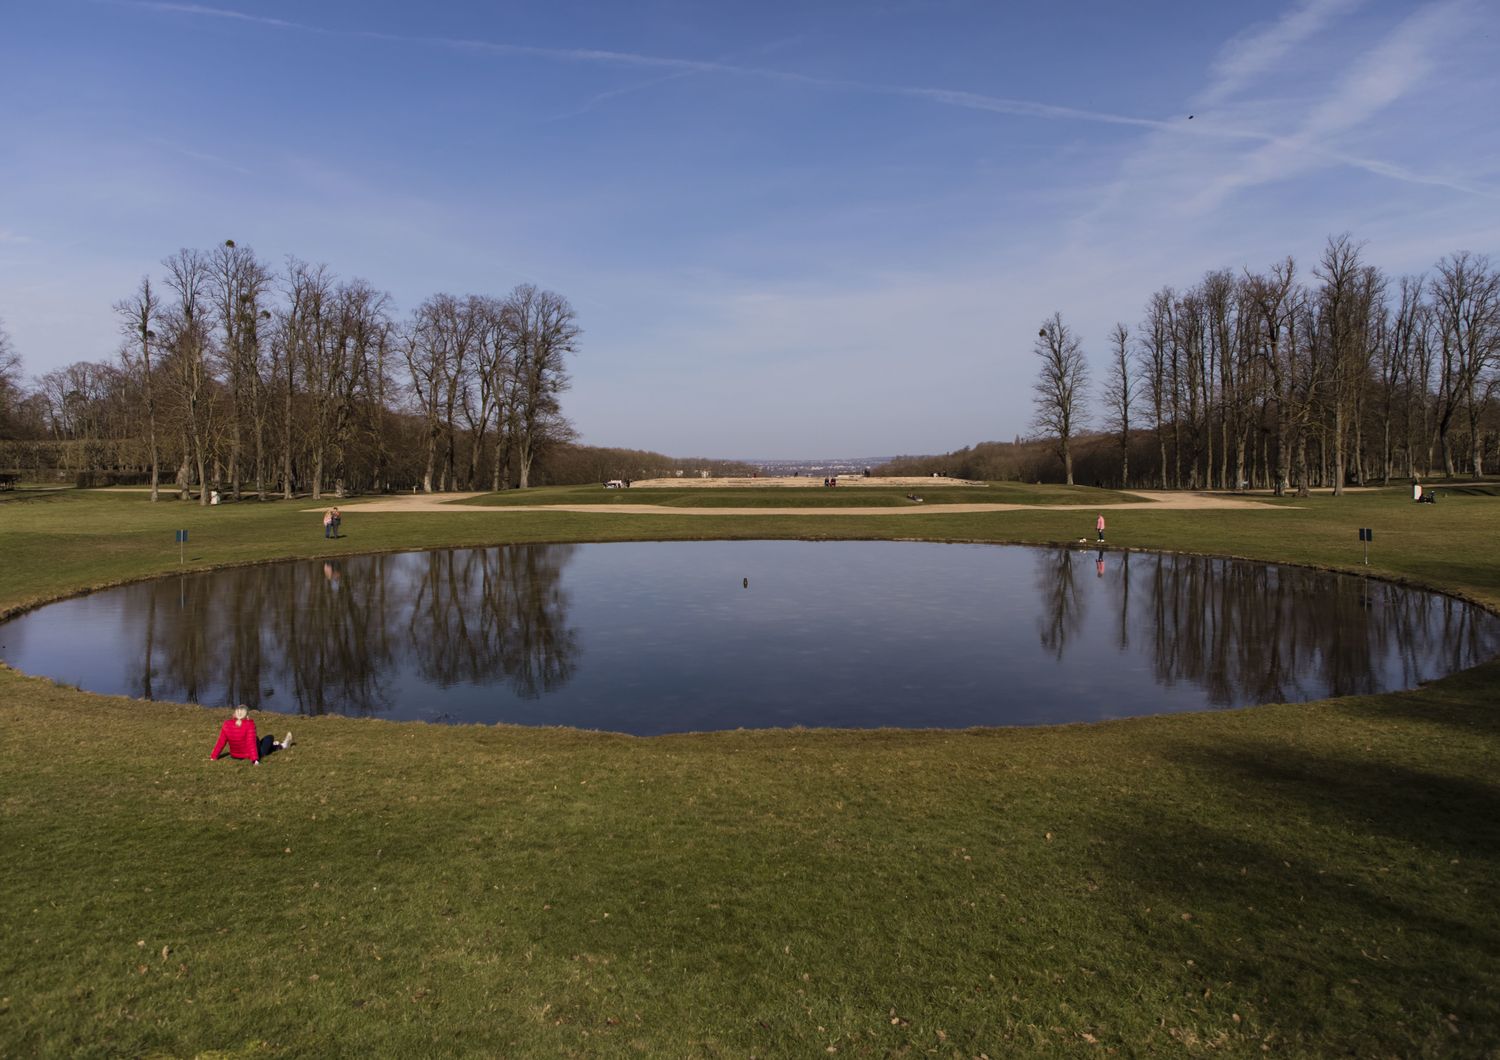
(202, 156)
(1252, 54)
(1023, 108)
(1377, 80)
(680, 66)
(1190, 194)
(1382, 78)
(650, 83)
(211, 12)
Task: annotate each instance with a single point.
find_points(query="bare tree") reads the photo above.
(238, 285)
(137, 317)
(301, 329)
(1192, 376)
(376, 426)
(465, 323)
(427, 346)
(362, 328)
(282, 382)
(1396, 359)
(1347, 301)
(324, 363)
(1155, 356)
(1421, 421)
(1119, 395)
(546, 331)
(1466, 309)
(1060, 386)
(231, 364)
(492, 364)
(1308, 380)
(188, 340)
(10, 382)
(1274, 298)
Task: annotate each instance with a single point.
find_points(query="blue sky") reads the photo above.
(789, 229)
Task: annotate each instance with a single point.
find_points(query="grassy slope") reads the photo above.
(1315, 879)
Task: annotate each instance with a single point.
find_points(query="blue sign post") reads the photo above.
(181, 545)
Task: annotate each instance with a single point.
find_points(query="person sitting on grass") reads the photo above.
(239, 733)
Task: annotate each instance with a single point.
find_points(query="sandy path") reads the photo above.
(443, 502)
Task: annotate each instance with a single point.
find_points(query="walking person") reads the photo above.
(1099, 526)
(238, 731)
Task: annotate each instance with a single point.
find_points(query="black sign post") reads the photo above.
(182, 545)
(1366, 534)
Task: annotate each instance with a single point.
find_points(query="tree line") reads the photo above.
(267, 381)
(1264, 379)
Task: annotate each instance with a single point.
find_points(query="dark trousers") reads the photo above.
(267, 746)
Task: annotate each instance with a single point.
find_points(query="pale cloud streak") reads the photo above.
(202, 156)
(1180, 182)
(1249, 56)
(209, 12)
(1377, 80)
(679, 66)
(1239, 65)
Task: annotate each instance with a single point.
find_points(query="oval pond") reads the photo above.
(652, 638)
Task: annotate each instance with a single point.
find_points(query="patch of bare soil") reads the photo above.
(798, 481)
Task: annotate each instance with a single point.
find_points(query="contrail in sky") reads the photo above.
(943, 97)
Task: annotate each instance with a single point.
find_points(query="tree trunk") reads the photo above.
(523, 452)
(431, 462)
(1338, 448)
(201, 462)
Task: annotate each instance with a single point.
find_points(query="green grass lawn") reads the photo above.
(1296, 880)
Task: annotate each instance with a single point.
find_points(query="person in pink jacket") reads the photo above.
(238, 732)
(1099, 526)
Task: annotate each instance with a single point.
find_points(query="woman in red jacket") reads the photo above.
(239, 733)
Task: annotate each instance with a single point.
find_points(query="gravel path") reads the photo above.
(444, 502)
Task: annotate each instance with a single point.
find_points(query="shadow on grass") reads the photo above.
(1333, 890)
(1463, 701)
(1476, 489)
(1448, 815)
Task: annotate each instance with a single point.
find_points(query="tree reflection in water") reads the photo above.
(1245, 632)
(647, 637)
(1062, 600)
(336, 636)
(484, 614)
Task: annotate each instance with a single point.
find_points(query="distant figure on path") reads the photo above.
(238, 732)
(1099, 526)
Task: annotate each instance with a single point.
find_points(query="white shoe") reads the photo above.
(286, 741)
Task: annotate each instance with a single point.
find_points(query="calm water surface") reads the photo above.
(667, 637)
